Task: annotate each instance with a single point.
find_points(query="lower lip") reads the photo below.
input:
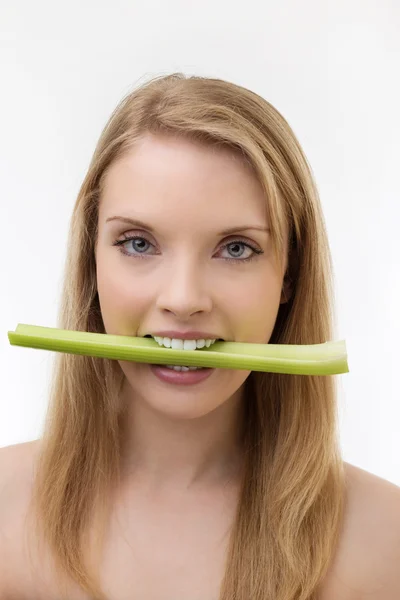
(180, 377)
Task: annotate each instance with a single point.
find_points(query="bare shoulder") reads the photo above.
(16, 467)
(14, 451)
(24, 574)
(16, 472)
(368, 557)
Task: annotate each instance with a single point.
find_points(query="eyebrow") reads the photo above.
(142, 225)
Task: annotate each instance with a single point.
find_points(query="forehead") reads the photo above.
(162, 173)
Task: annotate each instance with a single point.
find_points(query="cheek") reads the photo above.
(121, 300)
(258, 305)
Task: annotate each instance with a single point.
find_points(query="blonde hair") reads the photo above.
(291, 504)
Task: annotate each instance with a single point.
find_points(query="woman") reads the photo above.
(150, 483)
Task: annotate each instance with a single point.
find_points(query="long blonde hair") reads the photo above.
(291, 505)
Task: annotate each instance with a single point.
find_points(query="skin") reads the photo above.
(177, 278)
(156, 549)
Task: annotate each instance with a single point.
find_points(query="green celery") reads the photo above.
(328, 358)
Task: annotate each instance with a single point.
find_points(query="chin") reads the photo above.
(179, 407)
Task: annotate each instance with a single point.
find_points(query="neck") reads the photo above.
(183, 453)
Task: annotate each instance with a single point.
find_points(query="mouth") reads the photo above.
(186, 368)
(151, 337)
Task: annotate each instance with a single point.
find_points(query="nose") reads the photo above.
(184, 291)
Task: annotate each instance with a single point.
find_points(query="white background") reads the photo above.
(331, 68)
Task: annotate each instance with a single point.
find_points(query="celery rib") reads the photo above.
(328, 358)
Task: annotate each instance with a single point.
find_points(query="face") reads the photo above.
(183, 271)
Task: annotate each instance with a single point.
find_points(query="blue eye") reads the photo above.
(141, 251)
(243, 244)
(134, 239)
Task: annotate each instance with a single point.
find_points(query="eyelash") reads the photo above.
(256, 251)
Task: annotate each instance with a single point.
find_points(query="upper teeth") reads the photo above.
(178, 344)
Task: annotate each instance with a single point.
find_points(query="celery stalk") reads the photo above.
(329, 358)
